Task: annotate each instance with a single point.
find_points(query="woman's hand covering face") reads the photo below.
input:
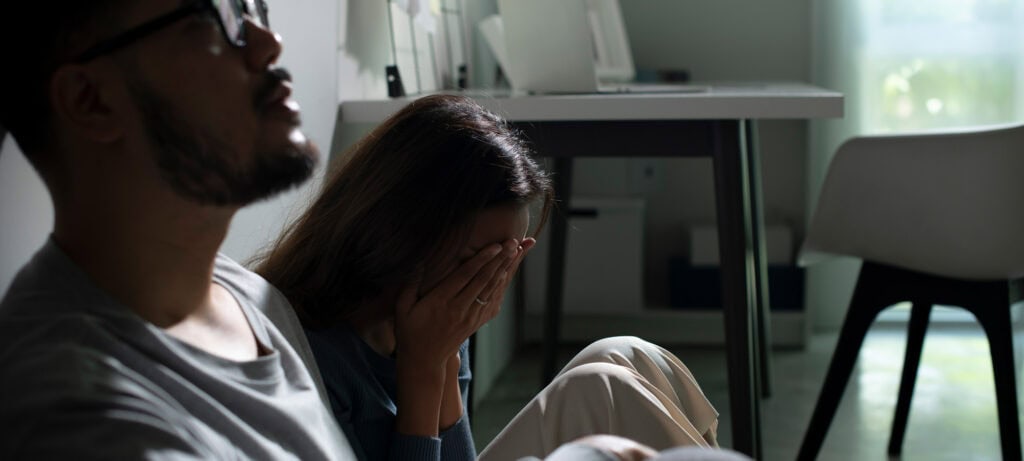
(431, 328)
(452, 298)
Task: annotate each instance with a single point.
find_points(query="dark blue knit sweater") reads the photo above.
(362, 388)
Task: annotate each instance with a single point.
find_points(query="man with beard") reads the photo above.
(127, 335)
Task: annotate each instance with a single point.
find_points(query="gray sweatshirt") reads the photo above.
(83, 377)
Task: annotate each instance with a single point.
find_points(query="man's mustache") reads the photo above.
(271, 80)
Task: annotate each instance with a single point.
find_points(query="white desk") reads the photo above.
(745, 100)
(719, 123)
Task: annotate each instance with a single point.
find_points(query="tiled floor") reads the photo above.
(953, 414)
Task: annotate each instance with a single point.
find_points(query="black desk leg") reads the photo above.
(556, 268)
(735, 245)
(762, 309)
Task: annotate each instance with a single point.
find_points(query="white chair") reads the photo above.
(938, 218)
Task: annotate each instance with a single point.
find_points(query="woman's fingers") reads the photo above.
(524, 248)
(495, 290)
(473, 294)
(466, 299)
(456, 282)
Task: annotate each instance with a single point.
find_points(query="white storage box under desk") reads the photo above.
(604, 260)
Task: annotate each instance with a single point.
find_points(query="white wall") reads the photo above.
(26, 214)
(830, 283)
(363, 49)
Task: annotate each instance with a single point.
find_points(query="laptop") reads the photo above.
(567, 47)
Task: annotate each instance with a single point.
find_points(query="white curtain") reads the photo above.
(906, 65)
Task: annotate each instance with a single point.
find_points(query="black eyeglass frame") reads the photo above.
(153, 25)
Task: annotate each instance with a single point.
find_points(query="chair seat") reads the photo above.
(948, 204)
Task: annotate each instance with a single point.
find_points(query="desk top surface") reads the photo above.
(739, 100)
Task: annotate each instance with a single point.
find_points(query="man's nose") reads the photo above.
(262, 46)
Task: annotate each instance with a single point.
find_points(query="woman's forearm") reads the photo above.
(419, 399)
(451, 401)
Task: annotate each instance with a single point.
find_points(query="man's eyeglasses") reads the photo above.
(230, 15)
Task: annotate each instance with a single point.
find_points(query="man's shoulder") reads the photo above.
(57, 371)
(74, 377)
(49, 320)
(63, 400)
(59, 334)
(51, 286)
(252, 288)
(48, 351)
(53, 318)
(255, 291)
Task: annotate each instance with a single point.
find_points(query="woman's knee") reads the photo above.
(596, 380)
(597, 371)
(614, 349)
(618, 343)
(605, 397)
(594, 389)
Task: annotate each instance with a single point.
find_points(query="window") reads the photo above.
(908, 65)
(940, 63)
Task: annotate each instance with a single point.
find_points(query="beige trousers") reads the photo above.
(622, 386)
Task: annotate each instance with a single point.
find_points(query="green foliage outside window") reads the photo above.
(940, 63)
(910, 94)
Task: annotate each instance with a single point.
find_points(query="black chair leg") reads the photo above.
(919, 314)
(880, 286)
(996, 321)
(865, 305)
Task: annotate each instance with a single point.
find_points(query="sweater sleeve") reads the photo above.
(414, 448)
(360, 388)
(452, 444)
(457, 441)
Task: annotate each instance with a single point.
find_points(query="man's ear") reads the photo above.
(81, 100)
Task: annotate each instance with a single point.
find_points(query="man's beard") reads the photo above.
(199, 166)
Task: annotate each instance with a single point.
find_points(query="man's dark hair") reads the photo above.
(35, 39)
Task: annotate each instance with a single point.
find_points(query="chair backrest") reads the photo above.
(949, 204)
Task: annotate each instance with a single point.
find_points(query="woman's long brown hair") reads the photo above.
(403, 191)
